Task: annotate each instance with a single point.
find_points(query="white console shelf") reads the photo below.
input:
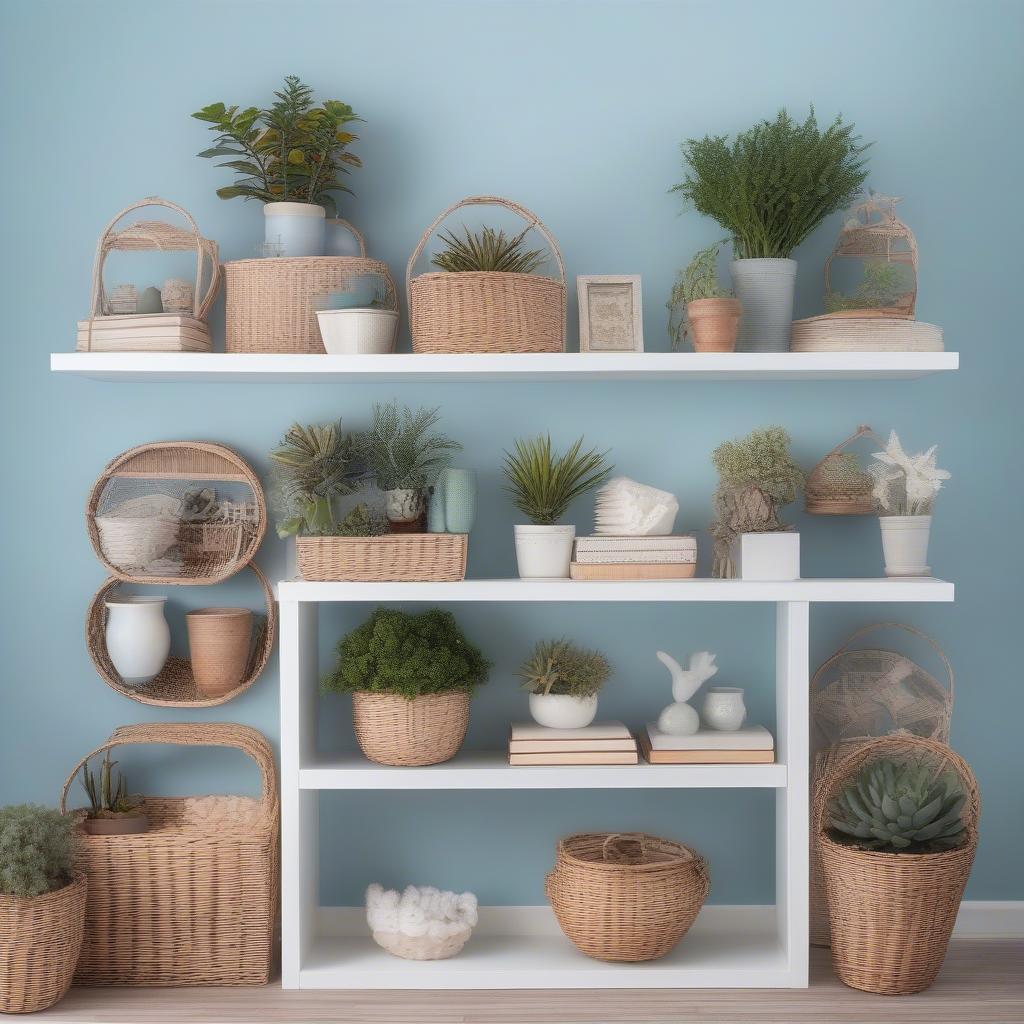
(521, 947)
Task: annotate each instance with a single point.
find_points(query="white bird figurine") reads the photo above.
(679, 719)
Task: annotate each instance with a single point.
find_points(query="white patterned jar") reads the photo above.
(403, 504)
(724, 709)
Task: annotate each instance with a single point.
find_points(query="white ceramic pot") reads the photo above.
(767, 556)
(905, 544)
(358, 331)
(296, 228)
(765, 290)
(544, 552)
(560, 711)
(138, 637)
(403, 505)
(724, 709)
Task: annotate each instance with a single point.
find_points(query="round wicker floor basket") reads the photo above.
(626, 897)
(892, 914)
(40, 941)
(425, 730)
(485, 311)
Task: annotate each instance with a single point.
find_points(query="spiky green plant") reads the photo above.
(487, 250)
(109, 794)
(560, 667)
(36, 850)
(776, 182)
(698, 281)
(543, 484)
(402, 449)
(900, 807)
(361, 522)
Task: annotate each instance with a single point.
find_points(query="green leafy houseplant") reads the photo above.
(775, 183)
(291, 151)
(698, 281)
(487, 250)
(402, 449)
(560, 667)
(407, 655)
(36, 850)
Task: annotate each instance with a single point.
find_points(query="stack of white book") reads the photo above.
(144, 332)
(600, 743)
(634, 558)
(752, 745)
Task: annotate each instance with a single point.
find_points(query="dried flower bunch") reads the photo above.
(560, 667)
(36, 850)
(906, 485)
(488, 250)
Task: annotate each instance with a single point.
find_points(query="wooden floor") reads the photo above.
(982, 982)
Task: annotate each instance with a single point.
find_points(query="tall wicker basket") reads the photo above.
(486, 311)
(192, 901)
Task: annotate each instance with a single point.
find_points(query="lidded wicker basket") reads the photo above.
(837, 485)
(486, 311)
(394, 558)
(628, 896)
(193, 900)
(428, 729)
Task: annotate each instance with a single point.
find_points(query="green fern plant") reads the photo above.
(402, 449)
(488, 250)
(560, 667)
(698, 281)
(36, 850)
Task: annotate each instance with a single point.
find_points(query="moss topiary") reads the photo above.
(36, 849)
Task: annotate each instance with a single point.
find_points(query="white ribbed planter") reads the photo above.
(544, 552)
(358, 331)
(765, 290)
(905, 544)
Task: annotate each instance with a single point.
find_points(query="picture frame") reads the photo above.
(611, 312)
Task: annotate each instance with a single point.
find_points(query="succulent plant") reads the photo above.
(900, 807)
(109, 795)
(489, 250)
(557, 666)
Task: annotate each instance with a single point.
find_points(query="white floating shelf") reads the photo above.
(491, 770)
(216, 367)
(874, 590)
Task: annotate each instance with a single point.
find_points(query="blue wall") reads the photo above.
(576, 110)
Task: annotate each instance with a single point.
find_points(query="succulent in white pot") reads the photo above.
(542, 484)
(563, 681)
(905, 490)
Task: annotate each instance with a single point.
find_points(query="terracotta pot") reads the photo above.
(220, 642)
(122, 825)
(714, 323)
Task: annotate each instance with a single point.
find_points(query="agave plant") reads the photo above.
(560, 667)
(900, 807)
(489, 250)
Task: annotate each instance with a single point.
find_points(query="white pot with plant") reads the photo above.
(563, 681)
(543, 484)
(770, 189)
(905, 490)
(289, 156)
(756, 477)
(700, 306)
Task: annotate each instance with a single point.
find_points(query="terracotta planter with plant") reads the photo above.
(563, 681)
(701, 307)
(411, 678)
(111, 812)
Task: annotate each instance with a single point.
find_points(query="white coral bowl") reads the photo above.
(422, 947)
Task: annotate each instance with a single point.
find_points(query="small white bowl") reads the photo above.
(358, 331)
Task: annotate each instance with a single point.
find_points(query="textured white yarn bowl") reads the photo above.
(134, 543)
(422, 947)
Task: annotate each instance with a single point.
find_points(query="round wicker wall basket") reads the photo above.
(176, 512)
(175, 686)
(425, 730)
(486, 311)
(626, 897)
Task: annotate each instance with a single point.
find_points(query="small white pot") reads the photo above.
(560, 711)
(544, 552)
(767, 556)
(358, 331)
(765, 290)
(905, 544)
(403, 505)
(724, 709)
(298, 228)
(138, 637)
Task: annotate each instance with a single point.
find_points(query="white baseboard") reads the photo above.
(990, 919)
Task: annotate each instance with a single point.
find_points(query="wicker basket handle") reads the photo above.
(356, 234)
(863, 430)
(196, 734)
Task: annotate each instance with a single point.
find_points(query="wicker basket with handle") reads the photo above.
(428, 729)
(892, 913)
(626, 897)
(830, 488)
(395, 558)
(192, 901)
(485, 311)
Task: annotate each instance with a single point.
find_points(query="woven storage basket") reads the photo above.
(40, 941)
(892, 914)
(626, 897)
(175, 686)
(192, 901)
(425, 730)
(486, 311)
(271, 303)
(832, 490)
(395, 557)
(138, 523)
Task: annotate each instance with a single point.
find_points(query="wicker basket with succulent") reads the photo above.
(563, 681)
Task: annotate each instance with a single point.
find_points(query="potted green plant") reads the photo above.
(42, 907)
(563, 681)
(111, 812)
(757, 476)
(542, 484)
(289, 156)
(770, 189)
(699, 303)
(411, 678)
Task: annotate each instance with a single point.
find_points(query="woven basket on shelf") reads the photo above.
(892, 913)
(271, 304)
(626, 897)
(486, 311)
(425, 730)
(395, 557)
(40, 941)
(175, 685)
(192, 901)
(837, 487)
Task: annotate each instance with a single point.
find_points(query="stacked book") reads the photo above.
(752, 745)
(634, 558)
(601, 743)
(144, 332)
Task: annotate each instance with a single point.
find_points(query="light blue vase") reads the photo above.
(459, 499)
(294, 229)
(435, 510)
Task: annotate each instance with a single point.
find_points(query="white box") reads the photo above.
(767, 556)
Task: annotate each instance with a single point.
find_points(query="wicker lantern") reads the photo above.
(838, 485)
